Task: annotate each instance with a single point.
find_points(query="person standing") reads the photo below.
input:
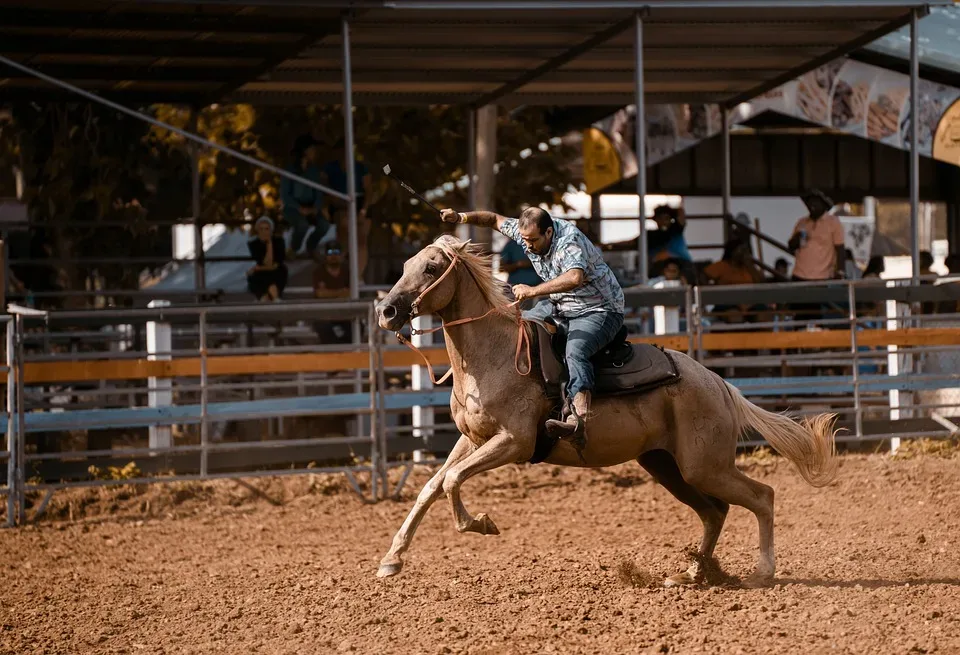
(303, 205)
(335, 175)
(817, 243)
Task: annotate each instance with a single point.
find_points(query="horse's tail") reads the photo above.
(809, 443)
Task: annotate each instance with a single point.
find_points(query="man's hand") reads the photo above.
(449, 216)
(523, 292)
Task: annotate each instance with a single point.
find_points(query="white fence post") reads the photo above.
(420, 381)
(666, 320)
(159, 390)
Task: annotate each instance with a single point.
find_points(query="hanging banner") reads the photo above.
(601, 161)
(946, 143)
(845, 95)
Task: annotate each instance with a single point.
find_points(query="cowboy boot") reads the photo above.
(574, 428)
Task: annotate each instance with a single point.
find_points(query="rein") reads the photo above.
(523, 339)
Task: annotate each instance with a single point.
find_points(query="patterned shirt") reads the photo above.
(570, 249)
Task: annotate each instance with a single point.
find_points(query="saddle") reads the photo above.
(620, 368)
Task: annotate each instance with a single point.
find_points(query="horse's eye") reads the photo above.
(431, 269)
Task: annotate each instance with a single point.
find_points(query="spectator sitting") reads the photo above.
(668, 241)
(781, 269)
(268, 277)
(331, 280)
(303, 205)
(817, 241)
(670, 273)
(736, 266)
(335, 175)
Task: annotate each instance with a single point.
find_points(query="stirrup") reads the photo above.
(576, 434)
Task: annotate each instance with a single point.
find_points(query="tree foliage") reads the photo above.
(98, 183)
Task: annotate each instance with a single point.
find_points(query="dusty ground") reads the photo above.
(868, 565)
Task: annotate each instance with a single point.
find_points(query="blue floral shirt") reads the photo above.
(570, 249)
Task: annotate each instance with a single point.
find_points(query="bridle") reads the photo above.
(523, 339)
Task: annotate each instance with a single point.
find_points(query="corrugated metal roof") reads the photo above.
(414, 52)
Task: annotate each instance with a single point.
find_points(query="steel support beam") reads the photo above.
(92, 97)
(726, 182)
(826, 58)
(351, 170)
(465, 232)
(199, 253)
(640, 145)
(553, 64)
(914, 150)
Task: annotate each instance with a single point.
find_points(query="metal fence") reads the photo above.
(199, 392)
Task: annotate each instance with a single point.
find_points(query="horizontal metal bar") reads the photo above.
(558, 5)
(239, 475)
(186, 22)
(343, 310)
(228, 446)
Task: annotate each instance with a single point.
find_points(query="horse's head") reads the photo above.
(426, 287)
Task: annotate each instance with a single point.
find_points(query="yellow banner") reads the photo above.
(601, 161)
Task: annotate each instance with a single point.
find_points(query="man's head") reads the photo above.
(781, 266)
(671, 269)
(818, 203)
(664, 215)
(263, 228)
(536, 228)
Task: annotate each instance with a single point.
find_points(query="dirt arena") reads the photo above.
(868, 565)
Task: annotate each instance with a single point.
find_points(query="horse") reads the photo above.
(685, 435)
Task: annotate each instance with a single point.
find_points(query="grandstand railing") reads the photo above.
(889, 374)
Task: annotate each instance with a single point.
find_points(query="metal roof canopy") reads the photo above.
(408, 52)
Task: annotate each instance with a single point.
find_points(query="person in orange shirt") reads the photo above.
(736, 266)
(817, 241)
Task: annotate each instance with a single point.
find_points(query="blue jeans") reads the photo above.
(586, 336)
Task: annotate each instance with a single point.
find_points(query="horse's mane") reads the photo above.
(480, 268)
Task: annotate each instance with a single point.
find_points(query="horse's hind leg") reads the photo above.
(391, 562)
(712, 511)
(732, 486)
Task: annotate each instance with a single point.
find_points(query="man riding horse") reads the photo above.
(583, 297)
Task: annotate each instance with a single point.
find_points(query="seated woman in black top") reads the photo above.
(268, 278)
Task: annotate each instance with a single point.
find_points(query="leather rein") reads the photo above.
(523, 339)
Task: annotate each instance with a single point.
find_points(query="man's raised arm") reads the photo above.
(481, 218)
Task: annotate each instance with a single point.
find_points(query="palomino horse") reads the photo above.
(684, 435)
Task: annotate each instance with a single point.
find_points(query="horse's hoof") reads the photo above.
(483, 524)
(680, 579)
(757, 581)
(389, 569)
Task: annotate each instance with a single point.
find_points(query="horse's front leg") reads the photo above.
(391, 562)
(502, 449)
